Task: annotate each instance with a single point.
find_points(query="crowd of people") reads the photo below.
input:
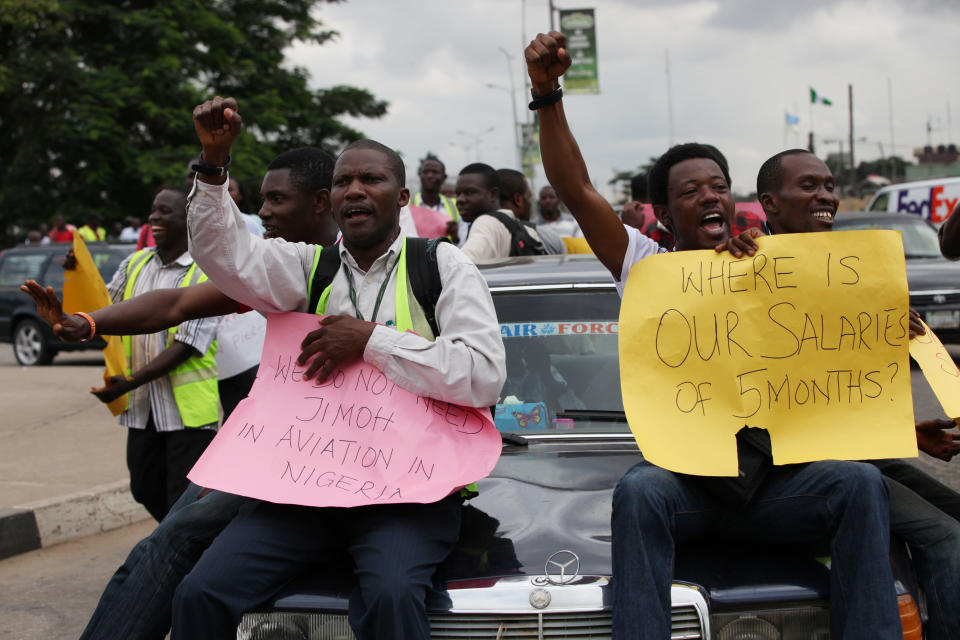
(215, 555)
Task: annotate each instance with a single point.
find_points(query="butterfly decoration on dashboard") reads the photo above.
(526, 419)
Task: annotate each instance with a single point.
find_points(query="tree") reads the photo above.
(95, 98)
(621, 180)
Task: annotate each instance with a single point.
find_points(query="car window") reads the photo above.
(562, 364)
(919, 238)
(17, 267)
(107, 260)
(53, 275)
(880, 204)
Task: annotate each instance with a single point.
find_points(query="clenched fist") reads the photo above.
(547, 60)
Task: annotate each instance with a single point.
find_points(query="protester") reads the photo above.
(92, 231)
(130, 232)
(239, 196)
(949, 233)
(396, 548)
(137, 601)
(516, 198)
(552, 218)
(35, 238)
(690, 190)
(61, 232)
(796, 190)
(170, 420)
(494, 233)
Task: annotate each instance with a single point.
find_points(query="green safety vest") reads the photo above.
(194, 381)
(91, 235)
(449, 204)
(409, 317)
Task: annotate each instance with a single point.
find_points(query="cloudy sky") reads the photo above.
(736, 67)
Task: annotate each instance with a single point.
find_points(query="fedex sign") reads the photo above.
(932, 205)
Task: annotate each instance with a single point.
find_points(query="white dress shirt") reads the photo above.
(156, 398)
(464, 365)
(489, 239)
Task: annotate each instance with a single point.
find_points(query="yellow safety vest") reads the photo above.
(448, 203)
(89, 235)
(194, 381)
(409, 317)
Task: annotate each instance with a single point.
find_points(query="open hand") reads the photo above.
(217, 123)
(340, 340)
(116, 386)
(547, 60)
(916, 324)
(68, 328)
(934, 440)
(745, 243)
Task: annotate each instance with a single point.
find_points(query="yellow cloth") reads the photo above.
(577, 245)
(85, 290)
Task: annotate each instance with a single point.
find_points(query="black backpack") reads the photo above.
(521, 242)
(422, 268)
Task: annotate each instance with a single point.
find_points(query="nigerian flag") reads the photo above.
(815, 98)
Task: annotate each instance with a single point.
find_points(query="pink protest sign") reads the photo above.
(356, 439)
(429, 222)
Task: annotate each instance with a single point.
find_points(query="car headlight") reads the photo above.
(800, 623)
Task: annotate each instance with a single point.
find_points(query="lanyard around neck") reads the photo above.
(383, 288)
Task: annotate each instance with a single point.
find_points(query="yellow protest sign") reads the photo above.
(577, 245)
(807, 339)
(85, 290)
(939, 370)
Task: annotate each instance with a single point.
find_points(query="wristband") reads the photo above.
(93, 325)
(546, 100)
(209, 169)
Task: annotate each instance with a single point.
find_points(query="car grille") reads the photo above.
(922, 299)
(456, 626)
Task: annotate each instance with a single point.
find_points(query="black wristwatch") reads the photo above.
(209, 169)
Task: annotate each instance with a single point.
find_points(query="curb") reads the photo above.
(77, 515)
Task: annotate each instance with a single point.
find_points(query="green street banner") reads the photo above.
(531, 146)
(580, 28)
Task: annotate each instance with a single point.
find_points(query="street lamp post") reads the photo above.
(476, 137)
(513, 108)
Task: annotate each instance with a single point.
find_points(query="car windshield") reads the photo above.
(919, 238)
(562, 369)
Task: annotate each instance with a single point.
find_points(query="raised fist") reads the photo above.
(217, 123)
(547, 60)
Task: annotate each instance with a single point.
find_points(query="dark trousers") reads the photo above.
(396, 550)
(234, 389)
(159, 463)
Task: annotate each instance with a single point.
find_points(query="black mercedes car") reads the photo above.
(533, 560)
(934, 281)
(34, 343)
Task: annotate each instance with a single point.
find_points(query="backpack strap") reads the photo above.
(326, 263)
(424, 272)
(521, 242)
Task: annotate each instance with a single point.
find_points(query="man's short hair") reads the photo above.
(658, 179)
(443, 167)
(770, 176)
(394, 160)
(311, 169)
(638, 187)
(179, 188)
(512, 182)
(490, 177)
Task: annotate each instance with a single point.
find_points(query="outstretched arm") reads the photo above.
(547, 60)
(148, 313)
(168, 360)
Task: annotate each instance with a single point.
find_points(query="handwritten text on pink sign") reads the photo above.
(355, 439)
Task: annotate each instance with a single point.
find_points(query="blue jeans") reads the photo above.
(924, 513)
(137, 601)
(653, 509)
(396, 550)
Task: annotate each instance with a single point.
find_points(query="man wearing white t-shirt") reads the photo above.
(654, 508)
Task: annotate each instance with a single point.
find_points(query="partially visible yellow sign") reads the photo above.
(85, 290)
(939, 369)
(577, 245)
(807, 339)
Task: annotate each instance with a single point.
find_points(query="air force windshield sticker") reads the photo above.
(537, 329)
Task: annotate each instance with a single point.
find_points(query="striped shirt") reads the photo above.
(156, 397)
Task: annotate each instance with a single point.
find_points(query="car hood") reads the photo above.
(554, 496)
(926, 274)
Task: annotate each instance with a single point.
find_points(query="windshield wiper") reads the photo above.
(514, 439)
(593, 414)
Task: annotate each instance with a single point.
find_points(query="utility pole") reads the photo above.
(513, 109)
(853, 166)
(669, 95)
(552, 12)
(893, 149)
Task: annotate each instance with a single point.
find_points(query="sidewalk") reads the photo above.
(63, 472)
